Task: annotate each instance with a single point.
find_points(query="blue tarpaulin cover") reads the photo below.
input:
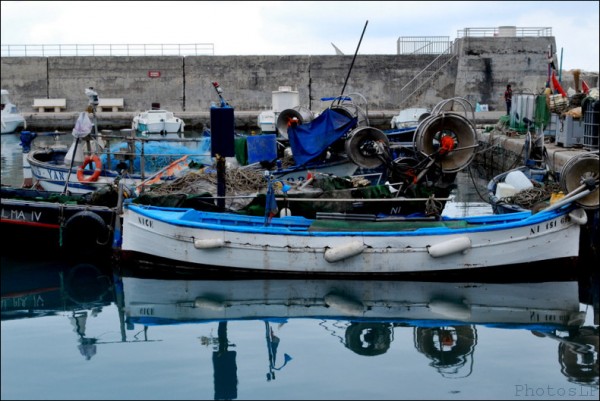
(308, 141)
(261, 147)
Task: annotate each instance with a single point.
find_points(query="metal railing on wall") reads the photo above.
(423, 44)
(504, 31)
(193, 49)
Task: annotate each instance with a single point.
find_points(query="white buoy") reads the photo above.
(454, 245)
(343, 251)
(209, 303)
(452, 310)
(576, 319)
(579, 216)
(209, 243)
(344, 304)
(285, 212)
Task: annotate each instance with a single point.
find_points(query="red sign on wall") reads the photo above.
(154, 74)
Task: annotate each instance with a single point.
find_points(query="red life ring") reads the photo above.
(88, 160)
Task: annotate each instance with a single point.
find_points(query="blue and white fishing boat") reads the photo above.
(95, 160)
(296, 245)
(140, 162)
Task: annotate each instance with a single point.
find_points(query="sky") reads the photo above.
(297, 27)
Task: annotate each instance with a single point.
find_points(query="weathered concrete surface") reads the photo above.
(479, 73)
(117, 77)
(487, 65)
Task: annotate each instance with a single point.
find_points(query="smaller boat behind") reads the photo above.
(95, 159)
(158, 121)
(531, 188)
(409, 117)
(282, 99)
(12, 120)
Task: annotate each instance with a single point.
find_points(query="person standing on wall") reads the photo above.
(508, 98)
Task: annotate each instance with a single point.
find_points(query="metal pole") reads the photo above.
(221, 181)
(352, 64)
(560, 68)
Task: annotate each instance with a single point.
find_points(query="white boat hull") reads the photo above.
(53, 178)
(296, 248)
(157, 122)
(157, 128)
(12, 122)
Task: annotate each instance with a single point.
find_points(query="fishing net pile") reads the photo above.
(241, 187)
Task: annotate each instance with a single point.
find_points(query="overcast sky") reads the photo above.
(296, 27)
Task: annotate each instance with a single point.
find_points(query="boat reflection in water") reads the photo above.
(78, 290)
(296, 321)
(365, 315)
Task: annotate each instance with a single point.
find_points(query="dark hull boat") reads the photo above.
(77, 225)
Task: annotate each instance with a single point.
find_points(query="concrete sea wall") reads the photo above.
(479, 72)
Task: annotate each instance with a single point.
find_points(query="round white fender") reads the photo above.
(454, 245)
(452, 310)
(343, 303)
(343, 251)
(209, 303)
(578, 216)
(209, 243)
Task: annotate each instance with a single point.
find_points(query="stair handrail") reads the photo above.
(419, 84)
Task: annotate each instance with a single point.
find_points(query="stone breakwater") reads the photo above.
(476, 69)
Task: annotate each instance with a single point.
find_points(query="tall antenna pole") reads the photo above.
(353, 58)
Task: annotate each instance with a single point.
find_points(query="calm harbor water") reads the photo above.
(88, 329)
(76, 330)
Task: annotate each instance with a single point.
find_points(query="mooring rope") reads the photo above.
(527, 198)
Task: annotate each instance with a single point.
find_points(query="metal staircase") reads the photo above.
(416, 85)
